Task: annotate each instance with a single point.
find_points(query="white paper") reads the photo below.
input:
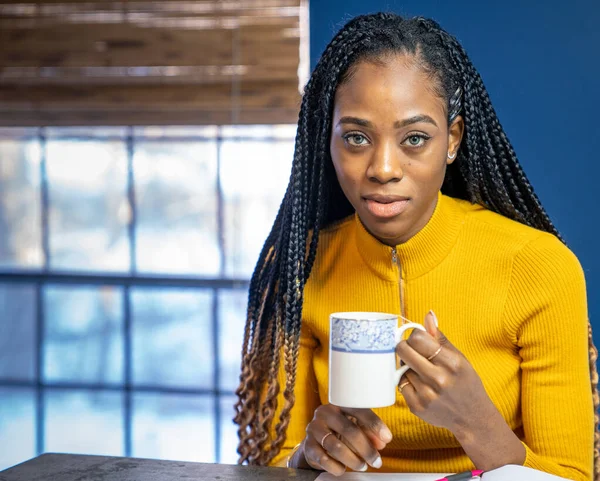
(505, 473)
(380, 477)
(509, 472)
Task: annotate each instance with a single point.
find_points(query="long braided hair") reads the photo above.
(486, 172)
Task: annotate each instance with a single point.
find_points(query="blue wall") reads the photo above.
(541, 66)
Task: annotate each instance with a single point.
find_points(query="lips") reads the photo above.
(386, 206)
(385, 199)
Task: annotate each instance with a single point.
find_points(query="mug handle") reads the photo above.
(399, 333)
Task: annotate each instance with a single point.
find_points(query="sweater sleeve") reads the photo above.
(306, 395)
(546, 317)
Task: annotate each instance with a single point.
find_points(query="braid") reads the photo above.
(486, 172)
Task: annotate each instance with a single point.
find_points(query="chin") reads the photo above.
(388, 237)
(387, 229)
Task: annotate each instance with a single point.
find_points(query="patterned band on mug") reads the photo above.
(363, 336)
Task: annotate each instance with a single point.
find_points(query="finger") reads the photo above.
(425, 392)
(432, 327)
(417, 361)
(417, 394)
(375, 440)
(404, 382)
(423, 343)
(317, 458)
(449, 357)
(354, 435)
(335, 447)
(408, 391)
(444, 341)
(372, 425)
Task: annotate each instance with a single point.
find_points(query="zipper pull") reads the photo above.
(394, 256)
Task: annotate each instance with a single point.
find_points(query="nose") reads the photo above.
(385, 164)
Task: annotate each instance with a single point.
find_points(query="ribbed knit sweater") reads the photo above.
(511, 298)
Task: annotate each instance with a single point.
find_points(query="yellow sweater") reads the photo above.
(510, 297)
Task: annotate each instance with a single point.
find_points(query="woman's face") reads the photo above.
(390, 142)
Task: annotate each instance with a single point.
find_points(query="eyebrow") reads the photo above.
(397, 125)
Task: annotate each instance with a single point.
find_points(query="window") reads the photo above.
(125, 258)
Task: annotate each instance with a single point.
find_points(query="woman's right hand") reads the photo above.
(357, 436)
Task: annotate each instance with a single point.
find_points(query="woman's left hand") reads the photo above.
(441, 387)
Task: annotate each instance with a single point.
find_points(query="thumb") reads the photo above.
(431, 324)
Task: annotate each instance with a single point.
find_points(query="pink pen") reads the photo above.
(462, 476)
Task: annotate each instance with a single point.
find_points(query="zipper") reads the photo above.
(398, 265)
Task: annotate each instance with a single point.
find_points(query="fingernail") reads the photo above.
(377, 463)
(434, 318)
(385, 434)
(363, 468)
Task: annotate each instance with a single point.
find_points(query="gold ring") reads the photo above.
(434, 354)
(325, 437)
(404, 384)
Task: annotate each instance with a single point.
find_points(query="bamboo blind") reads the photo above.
(135, 62)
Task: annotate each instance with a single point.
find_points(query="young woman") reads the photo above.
(406, 197)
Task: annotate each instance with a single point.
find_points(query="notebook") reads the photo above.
(505, 473)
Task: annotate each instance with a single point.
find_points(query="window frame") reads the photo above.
(44, 276)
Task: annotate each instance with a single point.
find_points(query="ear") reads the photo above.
(455, 134)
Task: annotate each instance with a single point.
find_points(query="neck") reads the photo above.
(423, 250)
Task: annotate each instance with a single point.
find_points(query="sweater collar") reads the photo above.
(420, 253)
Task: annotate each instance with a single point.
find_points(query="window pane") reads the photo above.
(17, 426)
(254, 177)
(232, 321)
(17, 332)
(83, 336)
(20, 203)
(172, 337)
(229, 436)
(175, 186)
(89, 208)
(176, 427)
(84, 422)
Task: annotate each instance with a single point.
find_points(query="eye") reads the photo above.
(416, 140)
(355, 139)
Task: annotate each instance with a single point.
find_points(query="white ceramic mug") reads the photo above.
(362, 358)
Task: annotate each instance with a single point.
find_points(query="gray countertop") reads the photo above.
(78, 467)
